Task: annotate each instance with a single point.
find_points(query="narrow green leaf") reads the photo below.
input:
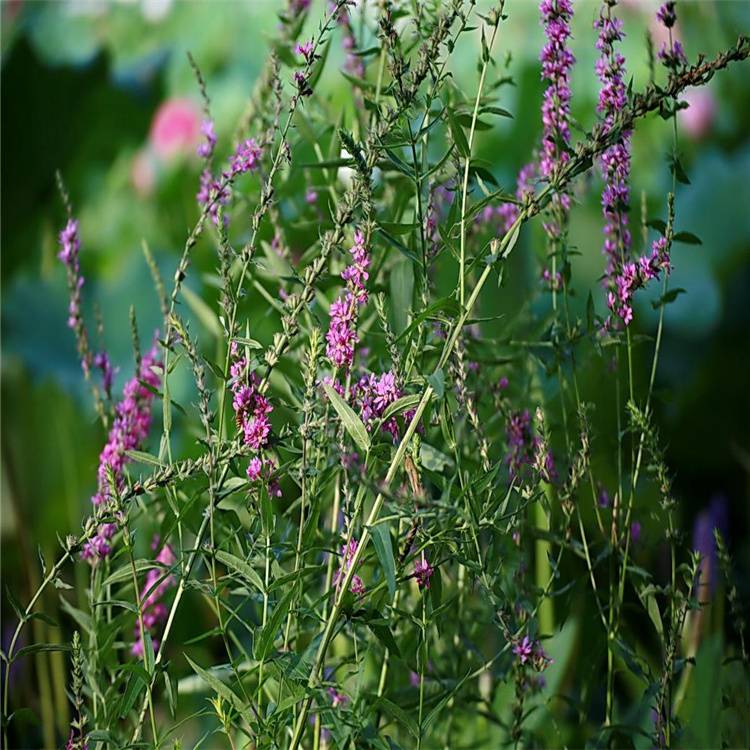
(459, 138)
(241, 567)
(401, 716)
(401, 404)
(658, 224)
(36, 647)
(383, 633)
(144, 458)
(381, 538)
(264, 643)
(217, 686)
(667, 298)
(499, 111)
(250, 343)
(352, 423)
(126, 574)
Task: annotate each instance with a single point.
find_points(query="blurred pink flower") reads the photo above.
(175, 128)
(698, 118)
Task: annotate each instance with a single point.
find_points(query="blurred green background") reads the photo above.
(104, 93)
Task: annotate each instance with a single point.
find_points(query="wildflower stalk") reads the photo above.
(246, 255)
(493, 21)
(127, 540)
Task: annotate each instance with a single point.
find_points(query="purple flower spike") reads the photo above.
(206, 149)
(557, 61)
(213, 194)
(342, 335)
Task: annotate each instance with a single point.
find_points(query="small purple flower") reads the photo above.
(213, 194)
(423, 572)
(372, 394)
(666, 14)
(246, 157)
(508, 212)
(348, 551)
(306, 50)
(254, 468)
(635, 531)
(154, 611)
(526, 449)
(311, 197)
(302, 84)
(524, 649)
(101, 360)
(206, 149)
(603, 498)
(673, 55)
(337, 699)
(69, 243)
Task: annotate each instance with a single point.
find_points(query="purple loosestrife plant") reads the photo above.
(426, 542)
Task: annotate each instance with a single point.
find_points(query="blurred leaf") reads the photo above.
(687, 238)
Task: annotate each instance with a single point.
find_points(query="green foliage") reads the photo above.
(529, 580)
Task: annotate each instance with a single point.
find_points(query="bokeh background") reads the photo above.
(104, 93)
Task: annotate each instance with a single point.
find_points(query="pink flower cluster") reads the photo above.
(342, 335)
(154, 610)
(128, 432)
(245, 158)
(251, 409)
(214, 192)
(131, 425)
(372, 394)
(357, 587)
(635, 274)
